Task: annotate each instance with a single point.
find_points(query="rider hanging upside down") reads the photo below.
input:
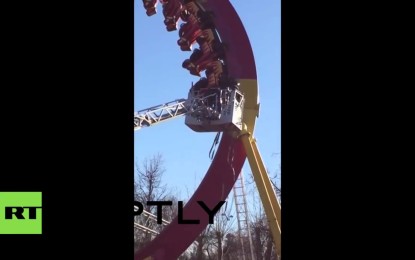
(196, 20)
(172, 10)
(188, 33)
(191, 6)
(209, 51)
(150, 6)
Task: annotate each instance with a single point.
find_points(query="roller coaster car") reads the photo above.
(207, 35)
(150, 6)
(188, 33)
(192, 7)
(204, 19)
(214, 73)
(184, 15)
(200, 59)
(172, 10)
(190, 64)
(218, 110)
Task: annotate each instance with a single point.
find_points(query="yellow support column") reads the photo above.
(267, 194)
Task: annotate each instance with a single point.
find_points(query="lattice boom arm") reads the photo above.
(157, 114)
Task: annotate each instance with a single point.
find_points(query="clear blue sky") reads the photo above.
(159, 78)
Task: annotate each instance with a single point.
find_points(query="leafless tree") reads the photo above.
(232, 246)
(262, 236)
(274, 181)
(201, 240)
(217, 232)
(149, 180)
(149, 187)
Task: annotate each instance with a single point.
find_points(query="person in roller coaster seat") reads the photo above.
(191, 6)
(196, 21)
(200, 58)
(191, 65)
(150, 6)
(214, 71)
(205, 18)
(184, 15)
(172, 10)
(188, 33)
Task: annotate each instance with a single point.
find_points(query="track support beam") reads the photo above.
(266, 192)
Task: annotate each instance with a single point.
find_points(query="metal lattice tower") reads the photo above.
(148, 226)
(242, 215)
